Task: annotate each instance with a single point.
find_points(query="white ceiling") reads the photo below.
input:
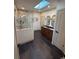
(29, 4)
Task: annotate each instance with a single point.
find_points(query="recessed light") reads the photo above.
(22, 8)
(48, 6)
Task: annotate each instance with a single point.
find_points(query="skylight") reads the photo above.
(42, 4)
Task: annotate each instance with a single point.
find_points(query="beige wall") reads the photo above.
(20, 13)
(49, 13)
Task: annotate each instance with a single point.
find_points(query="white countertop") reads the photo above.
(48, 28)
(23, 29)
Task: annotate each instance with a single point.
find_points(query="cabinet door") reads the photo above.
(47, 33)
(19, 36)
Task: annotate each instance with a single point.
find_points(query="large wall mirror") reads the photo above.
(50, 21)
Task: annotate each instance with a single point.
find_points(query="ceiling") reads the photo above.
(29, 5)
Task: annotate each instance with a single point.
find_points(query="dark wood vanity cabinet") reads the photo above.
(47, 33)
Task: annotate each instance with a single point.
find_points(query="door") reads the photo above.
(36, 21)
(59, 40)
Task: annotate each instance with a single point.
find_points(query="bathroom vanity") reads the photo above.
(47, 32)
(24, 35)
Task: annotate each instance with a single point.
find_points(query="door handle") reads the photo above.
(56, 31)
